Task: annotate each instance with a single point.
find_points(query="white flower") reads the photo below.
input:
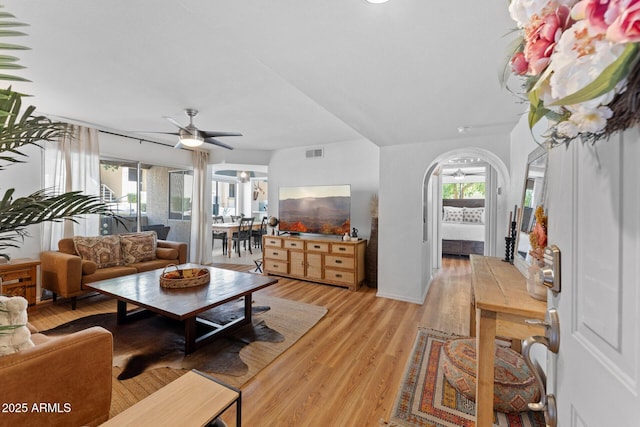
(578, 60)
(591, 120)
(567, 128)
(522, 11)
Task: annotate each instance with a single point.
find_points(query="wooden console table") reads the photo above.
(18, 278)
(194, 399)
(500, 306)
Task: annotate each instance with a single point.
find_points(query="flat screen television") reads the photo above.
(315, 209)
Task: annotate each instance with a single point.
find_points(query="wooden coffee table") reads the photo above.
(144, 291)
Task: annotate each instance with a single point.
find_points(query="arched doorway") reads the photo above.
(496, 179)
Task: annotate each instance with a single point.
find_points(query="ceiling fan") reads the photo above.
(460, 174)
(191, 136)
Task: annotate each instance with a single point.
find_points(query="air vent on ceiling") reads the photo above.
(314, 153)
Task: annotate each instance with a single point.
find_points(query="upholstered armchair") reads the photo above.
(61, 381)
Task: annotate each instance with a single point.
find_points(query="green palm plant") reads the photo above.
(18, 130)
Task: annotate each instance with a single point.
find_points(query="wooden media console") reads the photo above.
(317, 259)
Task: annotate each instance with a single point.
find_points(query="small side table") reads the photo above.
(18, 278)
(194, 399)
(258, 263)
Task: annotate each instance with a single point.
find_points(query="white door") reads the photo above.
(594, 218)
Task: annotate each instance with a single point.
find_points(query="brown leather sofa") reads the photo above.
(64, 272)
(62, 381)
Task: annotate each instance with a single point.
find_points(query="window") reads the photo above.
(142, 205)
(223, 198)
(180, 193)
(463, 190)
(133, 174)
(119, 186)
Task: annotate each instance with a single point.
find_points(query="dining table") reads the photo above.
(230, 228)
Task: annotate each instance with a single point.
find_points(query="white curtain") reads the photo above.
(72, 163)
(201, 210)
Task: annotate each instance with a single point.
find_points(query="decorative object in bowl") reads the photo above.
(184, 278)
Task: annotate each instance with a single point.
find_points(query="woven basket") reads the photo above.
(184, 278)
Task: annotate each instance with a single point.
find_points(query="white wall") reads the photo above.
(25, 178)
(355, 163)
(403, 256)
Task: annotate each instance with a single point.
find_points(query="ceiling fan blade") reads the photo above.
(218, 143)
(162, 133)
(175, 123)
(214, 133)
(178, 145)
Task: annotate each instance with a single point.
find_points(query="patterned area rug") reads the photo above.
(156, 342)
(426, 398)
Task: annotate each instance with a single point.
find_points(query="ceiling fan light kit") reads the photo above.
(190, 140)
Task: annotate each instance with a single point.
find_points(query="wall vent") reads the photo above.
(314, 153)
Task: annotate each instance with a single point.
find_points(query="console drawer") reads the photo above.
(294, 244)
(318, 247)
(346, 277)
(272, 241)
(339, 261)
(338, 248)
(278, 254)
(273, 266)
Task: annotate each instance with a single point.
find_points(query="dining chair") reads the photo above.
(257, 234)
(243, 234)
(220, 235)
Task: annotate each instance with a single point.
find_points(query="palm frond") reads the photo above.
(43, 205)
(46, 205)
(19, 130)
(7, 29)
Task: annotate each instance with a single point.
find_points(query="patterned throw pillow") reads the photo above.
(138, 247)
(103, 250)
(473, 215)
(452, 214)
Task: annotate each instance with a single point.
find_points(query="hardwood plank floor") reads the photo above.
(347, 369)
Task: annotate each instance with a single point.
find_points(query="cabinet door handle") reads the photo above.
(339, 275)
(342, 249)
(316, 246)
(338, 261)
(274, 253)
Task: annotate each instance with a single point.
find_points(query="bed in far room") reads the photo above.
(462, 227)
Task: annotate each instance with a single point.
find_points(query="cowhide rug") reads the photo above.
(155, 341)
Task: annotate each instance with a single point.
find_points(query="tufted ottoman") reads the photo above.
(514, 386)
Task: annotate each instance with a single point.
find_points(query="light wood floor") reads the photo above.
(347, 369)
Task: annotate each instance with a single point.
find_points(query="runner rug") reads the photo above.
(158, 342)
(426, 398)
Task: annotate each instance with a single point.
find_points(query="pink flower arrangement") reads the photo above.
(577, 57)
(541, 35)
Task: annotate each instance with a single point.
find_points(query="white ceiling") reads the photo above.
(284, 73)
